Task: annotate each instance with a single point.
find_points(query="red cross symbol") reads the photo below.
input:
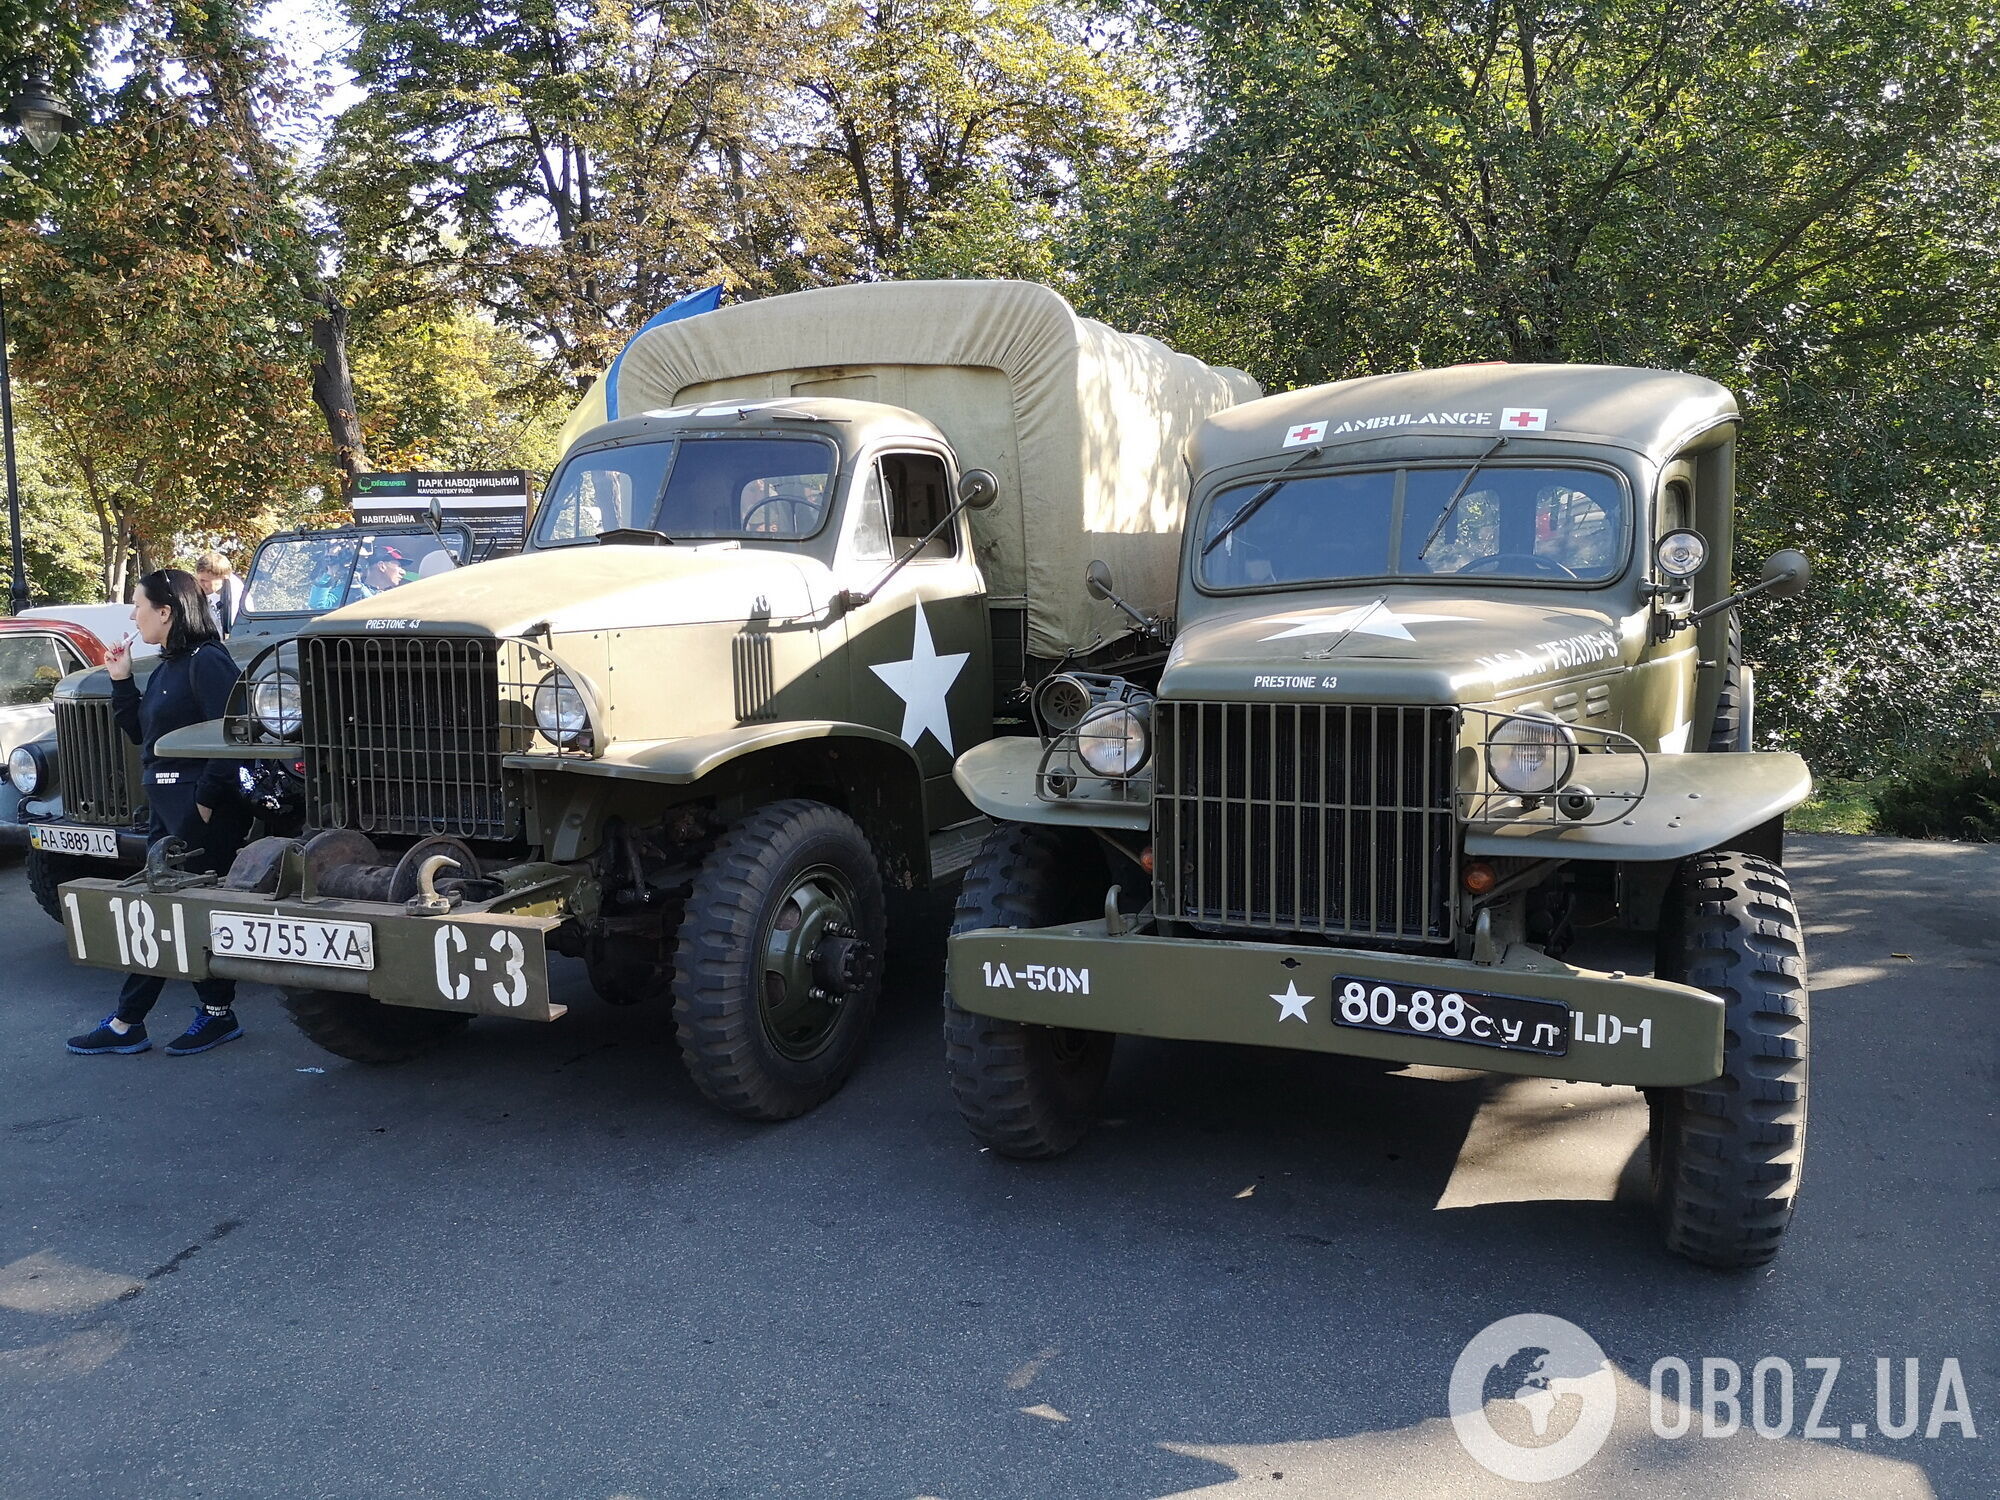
(1523, 419)
(1306, 434)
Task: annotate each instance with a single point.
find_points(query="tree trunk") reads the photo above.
(333, 388)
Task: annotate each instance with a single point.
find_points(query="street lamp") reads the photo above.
(40, 115)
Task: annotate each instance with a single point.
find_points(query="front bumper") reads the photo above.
(16, 835)
(472, 959)
(1081, 976)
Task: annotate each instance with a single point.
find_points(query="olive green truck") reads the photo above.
(1457, 672)
(711, 711)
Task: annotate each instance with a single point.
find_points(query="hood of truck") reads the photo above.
(590, 588)
(1389, 646)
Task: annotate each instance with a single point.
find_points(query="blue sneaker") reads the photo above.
(104, 1039)
(208, 1029)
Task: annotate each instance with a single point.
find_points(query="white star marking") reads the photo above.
(922, 683)
(1369, 619)
(1292, 1003)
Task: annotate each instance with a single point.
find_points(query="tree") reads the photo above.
(443, 387)
(912, 110)
(573, 166)
(163, 359)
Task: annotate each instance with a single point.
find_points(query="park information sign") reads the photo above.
(490, 503)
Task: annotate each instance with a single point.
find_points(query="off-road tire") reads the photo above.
(367, 1031)
(47, 872)
(1726, 732)
(744, 879)
(1025, 1091)
(1726, 1155)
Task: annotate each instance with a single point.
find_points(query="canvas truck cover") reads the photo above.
(1085, 427)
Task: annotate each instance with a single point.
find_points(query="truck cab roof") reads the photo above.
(853, 424)
(1653, 413)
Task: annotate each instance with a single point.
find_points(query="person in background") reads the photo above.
(222, 589)
(199, 802)
(383, 571)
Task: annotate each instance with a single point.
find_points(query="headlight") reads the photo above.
(560, 712)
(275, 704)
(31, 769)
(1116, 739)
(1682, 554)
(1532, 756)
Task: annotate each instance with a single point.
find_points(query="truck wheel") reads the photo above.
(779, 961)
(1726, 1155)
(1024, 1091)
(46, 872)
(367, 1031)
(1732, 702)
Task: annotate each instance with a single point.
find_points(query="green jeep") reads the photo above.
(83, 806)
(1457, 672)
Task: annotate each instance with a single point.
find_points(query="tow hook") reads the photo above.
(428, 902)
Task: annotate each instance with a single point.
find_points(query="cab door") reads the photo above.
(919, 662)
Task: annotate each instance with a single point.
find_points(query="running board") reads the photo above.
(953, 848)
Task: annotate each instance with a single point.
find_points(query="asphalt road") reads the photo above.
(536, 1264)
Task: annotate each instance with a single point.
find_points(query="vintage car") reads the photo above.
(76, 785)
(35, 655)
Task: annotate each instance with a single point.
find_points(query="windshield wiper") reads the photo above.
(1459, 494)
(1256, 501)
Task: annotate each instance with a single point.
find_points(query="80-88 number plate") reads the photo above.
(1504, 1021)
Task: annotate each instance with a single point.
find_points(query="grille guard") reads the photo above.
(521, 664)
(1490, 804)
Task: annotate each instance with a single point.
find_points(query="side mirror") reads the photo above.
(1097, 581)
(1785, 573)
(977, 489)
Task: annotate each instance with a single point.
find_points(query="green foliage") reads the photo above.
(443, 388)
(1954, 797)
(576, 165)
(156, 341)
(1837, 805)
(65, 554)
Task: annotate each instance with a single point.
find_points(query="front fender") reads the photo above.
(690, 758)
(1691, 803)
(998, 778)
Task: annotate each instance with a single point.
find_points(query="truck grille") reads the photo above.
(403, 735)
(99, 767)
(1306, 818)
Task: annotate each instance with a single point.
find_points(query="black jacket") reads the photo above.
(183, 690)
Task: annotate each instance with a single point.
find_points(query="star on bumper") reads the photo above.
(1292, 1004)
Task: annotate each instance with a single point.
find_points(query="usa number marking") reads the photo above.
(1050, 978)
(459, 967)
(142, 942)
(1610, 1031)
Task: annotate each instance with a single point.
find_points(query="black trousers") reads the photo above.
(218, 840)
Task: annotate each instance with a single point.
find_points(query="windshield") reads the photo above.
(1518, 523)
(752, 488)
(30, 667)
(312, 574)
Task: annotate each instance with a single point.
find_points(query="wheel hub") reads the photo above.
(814, 958)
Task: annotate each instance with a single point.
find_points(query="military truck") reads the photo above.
(710, 713)
(82, 808)
(1458, 672)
